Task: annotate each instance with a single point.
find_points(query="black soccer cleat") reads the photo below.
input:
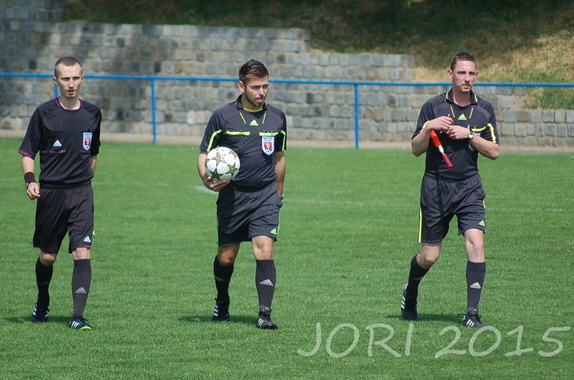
(79, 323)
(472, 319)
(264, 321)
(221, 312)
(408, 306)
(40, 314)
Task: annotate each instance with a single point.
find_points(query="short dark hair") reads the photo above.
(67, 61)
(462, 56)
(252, 68)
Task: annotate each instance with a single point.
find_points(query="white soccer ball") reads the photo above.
(222, 164)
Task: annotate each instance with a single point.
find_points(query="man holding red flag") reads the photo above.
(465, 125)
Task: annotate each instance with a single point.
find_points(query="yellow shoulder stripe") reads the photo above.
(213, 136)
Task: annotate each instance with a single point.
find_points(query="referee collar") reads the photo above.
(240, 105)
(473, 97)
(69, 109)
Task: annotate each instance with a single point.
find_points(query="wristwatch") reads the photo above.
(470, 135)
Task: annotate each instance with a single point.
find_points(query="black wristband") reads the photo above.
(29, 178)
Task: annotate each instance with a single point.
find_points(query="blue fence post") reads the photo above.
(356, 90)
(153, 115)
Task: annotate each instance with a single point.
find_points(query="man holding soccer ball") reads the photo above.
(465, 125)
(248, 205)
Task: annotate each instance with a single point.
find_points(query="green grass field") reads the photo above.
(348, 232)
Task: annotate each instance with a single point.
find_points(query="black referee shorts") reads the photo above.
(64, 210)
(241, 214)
(442, 199)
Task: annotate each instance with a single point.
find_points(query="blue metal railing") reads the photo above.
(354, 84)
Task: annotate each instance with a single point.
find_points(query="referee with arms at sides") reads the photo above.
(466, 126)
(248, 206)
(66, 133)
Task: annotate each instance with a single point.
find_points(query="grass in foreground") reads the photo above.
(349, 227)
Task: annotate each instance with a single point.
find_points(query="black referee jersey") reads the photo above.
(65, 140)
(478, 116)
(254, 136)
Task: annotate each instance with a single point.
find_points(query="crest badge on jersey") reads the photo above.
(87, 140)
(268, 144)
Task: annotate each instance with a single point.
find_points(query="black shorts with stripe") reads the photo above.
(64, 210)
(442, 199)
(244, 213)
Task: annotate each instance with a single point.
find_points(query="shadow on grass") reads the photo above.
(422, 317)
(235, 319)
(28, 319)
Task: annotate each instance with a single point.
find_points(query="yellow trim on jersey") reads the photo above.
(210, 145)
(249, 110)
(462, 116)
(253, 122)
(491, 127)
(284, 139)
(238, 133)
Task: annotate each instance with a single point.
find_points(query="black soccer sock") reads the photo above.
(475, 273)
(43, 279)
(222, 277)
(81, 281)
(265, 278)
(416, 274)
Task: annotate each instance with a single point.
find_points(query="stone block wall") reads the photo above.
(32, 38)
